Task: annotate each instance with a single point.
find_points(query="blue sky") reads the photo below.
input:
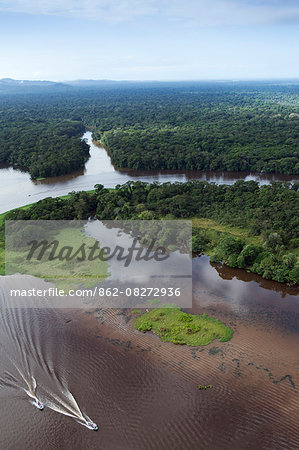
(149, 39)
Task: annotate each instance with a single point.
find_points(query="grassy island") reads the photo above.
(174, 325)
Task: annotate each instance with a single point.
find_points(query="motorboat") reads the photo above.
(39, 405)
(92, 426)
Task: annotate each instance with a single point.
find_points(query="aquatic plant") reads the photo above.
(173, 325)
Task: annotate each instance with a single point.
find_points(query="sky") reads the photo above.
(149, 39)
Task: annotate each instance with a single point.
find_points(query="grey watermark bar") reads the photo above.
(118, 264)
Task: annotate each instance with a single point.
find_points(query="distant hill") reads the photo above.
(11, 82)
(8, 85)
(11, 86)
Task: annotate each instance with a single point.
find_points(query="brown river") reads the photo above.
(92, 364)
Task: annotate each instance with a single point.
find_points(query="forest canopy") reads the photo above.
(193, 126)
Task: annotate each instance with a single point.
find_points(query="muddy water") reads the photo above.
(143, 393)
(17, 189)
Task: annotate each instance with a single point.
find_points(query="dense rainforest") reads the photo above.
(198, 126)
(268, 216)
(45, 147)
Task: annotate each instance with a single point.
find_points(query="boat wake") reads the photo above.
(30, 354)
(67, 405)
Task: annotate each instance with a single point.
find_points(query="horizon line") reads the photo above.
(179, 80)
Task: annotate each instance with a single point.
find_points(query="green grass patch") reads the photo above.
(216, 231)
(173, 325)
(65, 274)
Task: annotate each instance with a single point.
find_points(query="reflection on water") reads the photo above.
(238, 290)
(230, 273)
(17, 189)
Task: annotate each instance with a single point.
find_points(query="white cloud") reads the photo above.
(190, 12)
(102, 10)
(233, 12)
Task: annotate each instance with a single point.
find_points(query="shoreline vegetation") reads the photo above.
(173, 325)
(249, 127)
(244, 225)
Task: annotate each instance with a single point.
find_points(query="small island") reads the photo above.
(174, 325)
